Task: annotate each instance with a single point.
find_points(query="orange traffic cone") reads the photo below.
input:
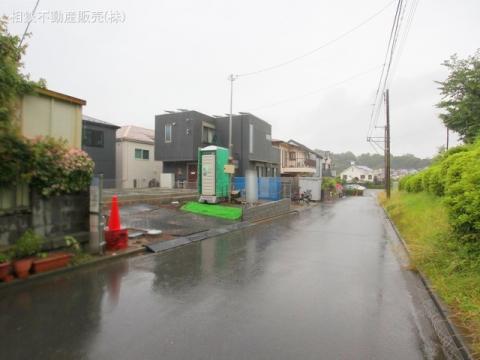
(116, 238)
(114, 219)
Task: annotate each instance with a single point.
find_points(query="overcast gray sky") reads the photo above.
(178, 54)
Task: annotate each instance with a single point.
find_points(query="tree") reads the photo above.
(12, 82)
(15, 152)
(461, 96)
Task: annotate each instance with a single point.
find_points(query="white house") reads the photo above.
(358, 173)
(136, 167)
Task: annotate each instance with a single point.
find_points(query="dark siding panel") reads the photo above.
(186, 135)
(104, 157)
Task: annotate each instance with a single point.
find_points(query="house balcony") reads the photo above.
(299, 166)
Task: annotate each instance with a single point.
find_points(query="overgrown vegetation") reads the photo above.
(455, 177)
(452, 267)
(13, 83)
(438, 209)
(329, 184)
(49, 165)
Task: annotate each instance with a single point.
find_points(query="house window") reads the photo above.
(250, 138)
(93, 138)
(168, 133)
(208, 135)
(362, 177)
(292, 155)
(142, 154)
(369, 177)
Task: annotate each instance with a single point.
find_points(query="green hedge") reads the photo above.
(455, 176)
(353, 192)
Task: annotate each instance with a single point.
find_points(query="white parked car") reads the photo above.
(354, 187)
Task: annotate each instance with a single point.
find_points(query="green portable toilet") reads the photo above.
(213, 182)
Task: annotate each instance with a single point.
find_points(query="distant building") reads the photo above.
(99, 142)
(397, 174)
(298, 160)
(135, 165)
(179, 135)
(328, 165)
(358, 173)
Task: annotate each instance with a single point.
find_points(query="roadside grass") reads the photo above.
(453, 268)
(220, 211)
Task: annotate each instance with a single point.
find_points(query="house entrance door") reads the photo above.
(192, 174)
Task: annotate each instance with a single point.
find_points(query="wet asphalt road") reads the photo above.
(322, 285)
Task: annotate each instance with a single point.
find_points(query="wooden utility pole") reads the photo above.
(387, 145)
(448, 137)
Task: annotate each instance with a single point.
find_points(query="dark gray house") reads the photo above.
(179, 135)
(99, 142)
(252, 144)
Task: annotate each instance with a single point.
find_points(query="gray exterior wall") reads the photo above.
(187, 139)
(104, 157)
(264, 154)
(186, 135)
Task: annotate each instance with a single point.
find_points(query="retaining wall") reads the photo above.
(52, 217)
(266, 210)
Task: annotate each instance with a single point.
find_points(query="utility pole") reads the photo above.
(448, 136)
(230, 145)
(387, 145)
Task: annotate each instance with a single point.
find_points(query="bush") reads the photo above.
(455, 176)
(402, 183)
(28, 245)
(462, 195)
(436, 183)
(426, 178)
(59, 169)
(329, 184)
(353, 192)
(414, 183)
(16, 156)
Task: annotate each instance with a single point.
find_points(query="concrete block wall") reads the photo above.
(53, 218)
(266, 210)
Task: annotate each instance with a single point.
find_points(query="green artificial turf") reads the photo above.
(224, 212)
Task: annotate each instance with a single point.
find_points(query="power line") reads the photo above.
(374, 112)
(403, 40)
(353, 77)
(393, 61)
(328, 43)
(28, 24)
